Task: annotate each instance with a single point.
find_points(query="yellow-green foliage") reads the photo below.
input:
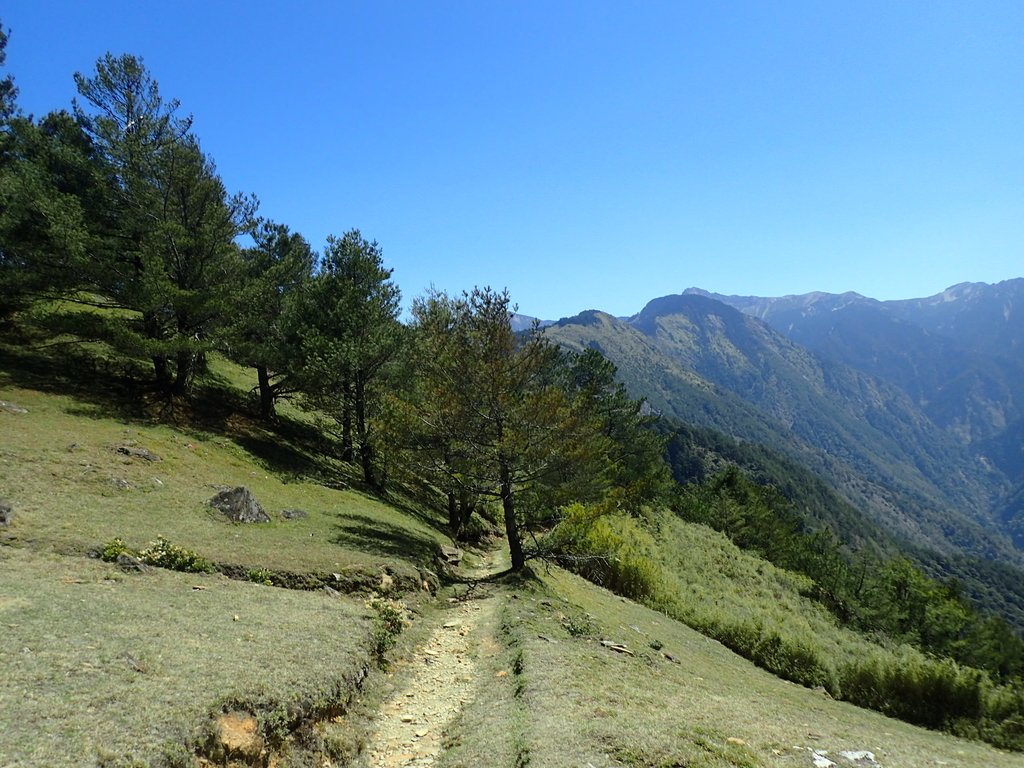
(612, 550)
(696, 575)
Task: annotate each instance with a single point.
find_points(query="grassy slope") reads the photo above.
(75, 628)
(554, 699)
(77, 632)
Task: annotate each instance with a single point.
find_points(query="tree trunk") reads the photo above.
(467, 504)
(515, 543)
(365, 446)
(184, 361)
(454, 515)
(347, 449)
(266, 393)
(163, 373)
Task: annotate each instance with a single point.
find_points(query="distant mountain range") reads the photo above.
(913, 411)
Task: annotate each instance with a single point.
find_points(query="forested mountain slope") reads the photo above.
(959, 355)
(710, 365)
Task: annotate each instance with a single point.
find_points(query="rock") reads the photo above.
(617, 647)
(6, 512)
(294, 514)
(121, 484)
(134, 663)
(137, 453)
(448, 558)
(860, 757)
(451, 555)
(239, 506)
(429, 581)
(130, 563)
(11, 407)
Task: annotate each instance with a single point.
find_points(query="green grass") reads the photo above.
(73, 492)
(573, 701)
(77, 632)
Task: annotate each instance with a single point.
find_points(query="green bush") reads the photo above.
(791, 659)
(614, 551)
(260, 576)
(929, 692)
(163, 554)
(113, 548)
(392, 617)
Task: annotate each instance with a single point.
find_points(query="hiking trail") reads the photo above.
(410, 728)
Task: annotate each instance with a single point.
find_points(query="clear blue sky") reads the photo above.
(593, 154)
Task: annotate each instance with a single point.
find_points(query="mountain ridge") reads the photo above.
(933, 464)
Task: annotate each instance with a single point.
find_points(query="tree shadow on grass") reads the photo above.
(362, 532)
(105, 386)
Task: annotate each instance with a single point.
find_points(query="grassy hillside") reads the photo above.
(554, 695)
(113, 668)
(119, 668)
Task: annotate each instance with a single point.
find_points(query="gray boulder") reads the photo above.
(239, 506)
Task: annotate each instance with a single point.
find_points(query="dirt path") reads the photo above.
(411, 725)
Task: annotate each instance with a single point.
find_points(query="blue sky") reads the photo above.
(591, 154)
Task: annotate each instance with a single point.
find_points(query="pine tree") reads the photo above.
(350, 332)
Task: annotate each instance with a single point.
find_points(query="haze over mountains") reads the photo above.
(911, 410)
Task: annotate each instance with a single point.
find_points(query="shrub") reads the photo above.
(929, 692)
(612, 550)
(164, 554)
(113, 548)
(260, 576)
(392, 617)
(579, 625)
(789, 658)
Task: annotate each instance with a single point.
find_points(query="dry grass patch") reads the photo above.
(100, 665)
(705, 707)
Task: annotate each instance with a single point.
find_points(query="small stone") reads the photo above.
(11, 407)
(130, 563)
(236, 617)
(137, 453)
(408, 719)
(451, 624)
(294, 514)
(451, 555)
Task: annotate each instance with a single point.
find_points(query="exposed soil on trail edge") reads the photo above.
(411, 725)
